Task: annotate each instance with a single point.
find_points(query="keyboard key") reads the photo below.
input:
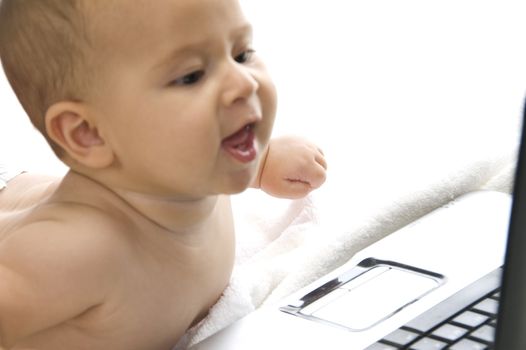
(450, 332)
(456, 302)
(470, 319)
(401, 337)
(380, 346)
(490, 306)
(428, 344)
(467, 344)
(486, 333)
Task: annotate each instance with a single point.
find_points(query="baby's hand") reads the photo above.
(293, 167)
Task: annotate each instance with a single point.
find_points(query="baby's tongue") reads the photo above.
(241, 145)
(237, 138)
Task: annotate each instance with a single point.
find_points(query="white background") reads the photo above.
(394, 91)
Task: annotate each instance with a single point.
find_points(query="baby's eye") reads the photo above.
(244, 56)
(189, 79)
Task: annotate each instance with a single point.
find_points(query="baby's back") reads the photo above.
(86, 271)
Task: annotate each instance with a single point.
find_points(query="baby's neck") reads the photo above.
(171, 214)
(166, 213)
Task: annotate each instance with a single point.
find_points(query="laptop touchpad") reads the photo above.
(377, 298)
(368, 298)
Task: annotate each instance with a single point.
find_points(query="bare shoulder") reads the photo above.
(65, 232)
(55, 267)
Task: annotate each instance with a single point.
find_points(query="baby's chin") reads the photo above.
(237, 189)
(239, 185)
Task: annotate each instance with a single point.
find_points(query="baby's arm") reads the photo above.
(47, 277)
(291, 168)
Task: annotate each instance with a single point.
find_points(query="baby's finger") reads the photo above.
(317, 176)
(320, 159)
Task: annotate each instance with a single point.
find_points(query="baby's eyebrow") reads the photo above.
(243, 31)
(179, 52)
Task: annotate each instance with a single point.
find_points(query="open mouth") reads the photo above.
(240, 145)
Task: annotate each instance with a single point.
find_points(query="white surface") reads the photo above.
(462, 241)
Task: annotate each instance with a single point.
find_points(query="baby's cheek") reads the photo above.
(264, 131)
(267, 93)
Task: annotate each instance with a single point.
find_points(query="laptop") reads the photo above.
(454, 279)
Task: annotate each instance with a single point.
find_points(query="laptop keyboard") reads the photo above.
(465, 321)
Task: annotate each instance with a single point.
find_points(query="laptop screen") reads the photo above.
(511, 325)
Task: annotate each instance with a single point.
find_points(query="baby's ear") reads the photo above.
(68, 125)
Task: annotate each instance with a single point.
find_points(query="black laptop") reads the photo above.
(491, 312)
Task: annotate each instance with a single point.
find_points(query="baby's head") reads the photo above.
(44, 49)
(148, 89)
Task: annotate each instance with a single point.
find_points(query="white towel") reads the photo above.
(282, 246)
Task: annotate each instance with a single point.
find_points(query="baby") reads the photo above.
(160, 109)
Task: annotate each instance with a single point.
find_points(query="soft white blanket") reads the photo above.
(284, 245)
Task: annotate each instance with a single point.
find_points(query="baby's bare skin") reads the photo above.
(136, 243)
(113, 273)
(110, 270)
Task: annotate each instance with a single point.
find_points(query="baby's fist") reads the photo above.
(293, 168)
